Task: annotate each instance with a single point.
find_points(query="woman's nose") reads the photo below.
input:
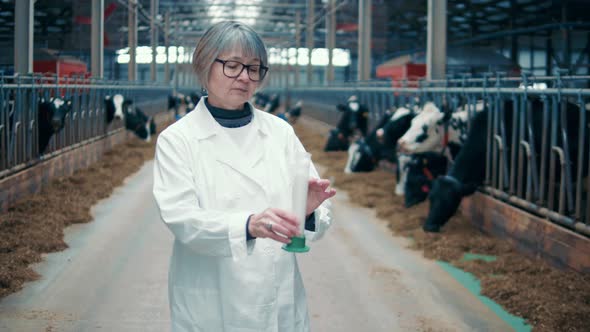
(244, 75)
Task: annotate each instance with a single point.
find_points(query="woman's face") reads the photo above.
(231, 93)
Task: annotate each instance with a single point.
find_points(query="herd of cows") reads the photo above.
(440, 154)
(52, 113)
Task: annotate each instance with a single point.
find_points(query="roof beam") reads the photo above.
(209, 5)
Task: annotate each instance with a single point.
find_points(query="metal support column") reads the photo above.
(297, 46)
(309, 38)
(154, 37)
(132, 40)
(167, 47)
(23, 36)
(548, 55)
(436, 50)
(330, 39)
(97, 39)
(364, 43)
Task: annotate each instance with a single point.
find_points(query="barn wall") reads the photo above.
(31, 180)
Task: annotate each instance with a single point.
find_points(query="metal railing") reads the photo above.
(538, 175)
(19, 100)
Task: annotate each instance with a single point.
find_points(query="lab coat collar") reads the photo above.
(244, 161)
(206, 126)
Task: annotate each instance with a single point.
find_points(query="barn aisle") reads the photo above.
(112, 278)
(358, 278)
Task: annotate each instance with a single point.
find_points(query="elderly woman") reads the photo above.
(223, 182)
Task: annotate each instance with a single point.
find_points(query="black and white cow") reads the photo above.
(468, 170)
(114, 106)
(272, 104)
(183, 104)
(174, 101)
(354, 119)
(139, 123)
(119, 107)
(260, 99)
(51, 119)
(365, 153)
(434, 131)
(293, 114)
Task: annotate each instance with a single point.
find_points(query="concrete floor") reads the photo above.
(358, 278)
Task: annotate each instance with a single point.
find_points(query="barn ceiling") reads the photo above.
(398, 25)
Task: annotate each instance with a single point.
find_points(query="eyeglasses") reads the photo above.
(233, 69)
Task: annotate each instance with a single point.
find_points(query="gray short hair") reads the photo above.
(222, 37)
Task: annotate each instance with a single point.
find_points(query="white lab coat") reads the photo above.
(206, 187)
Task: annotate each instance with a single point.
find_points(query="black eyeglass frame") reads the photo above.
(244, 66)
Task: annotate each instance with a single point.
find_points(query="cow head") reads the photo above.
(425, 132)
(354, 117)
(365, 153)
(114, 107)
(396, 127)
(423, 168)
(445, 197)
(54, 111)
(139, 123)
(51, 119)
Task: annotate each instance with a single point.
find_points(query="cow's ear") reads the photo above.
(69, 102)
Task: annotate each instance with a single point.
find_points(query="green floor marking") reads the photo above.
(471, 257)
(473, 285)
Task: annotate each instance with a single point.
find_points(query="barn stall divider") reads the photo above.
(535, 191)
(85, 136)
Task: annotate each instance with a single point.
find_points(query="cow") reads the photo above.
(114, 107)
(272, 104)
(353, 120)
(51, 119)
(260, 99)
(183, 104)
(139, 123)
(365, 153)
(174, 101)
(434, 131)
(293, 114)
(422, 169)
(468, 170)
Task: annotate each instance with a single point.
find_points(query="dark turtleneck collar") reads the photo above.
(230, 118)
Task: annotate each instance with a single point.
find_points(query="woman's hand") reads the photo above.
(275, 224)
(317, 193)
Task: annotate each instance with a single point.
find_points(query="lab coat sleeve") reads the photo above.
(206, 231)
(323, 214)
